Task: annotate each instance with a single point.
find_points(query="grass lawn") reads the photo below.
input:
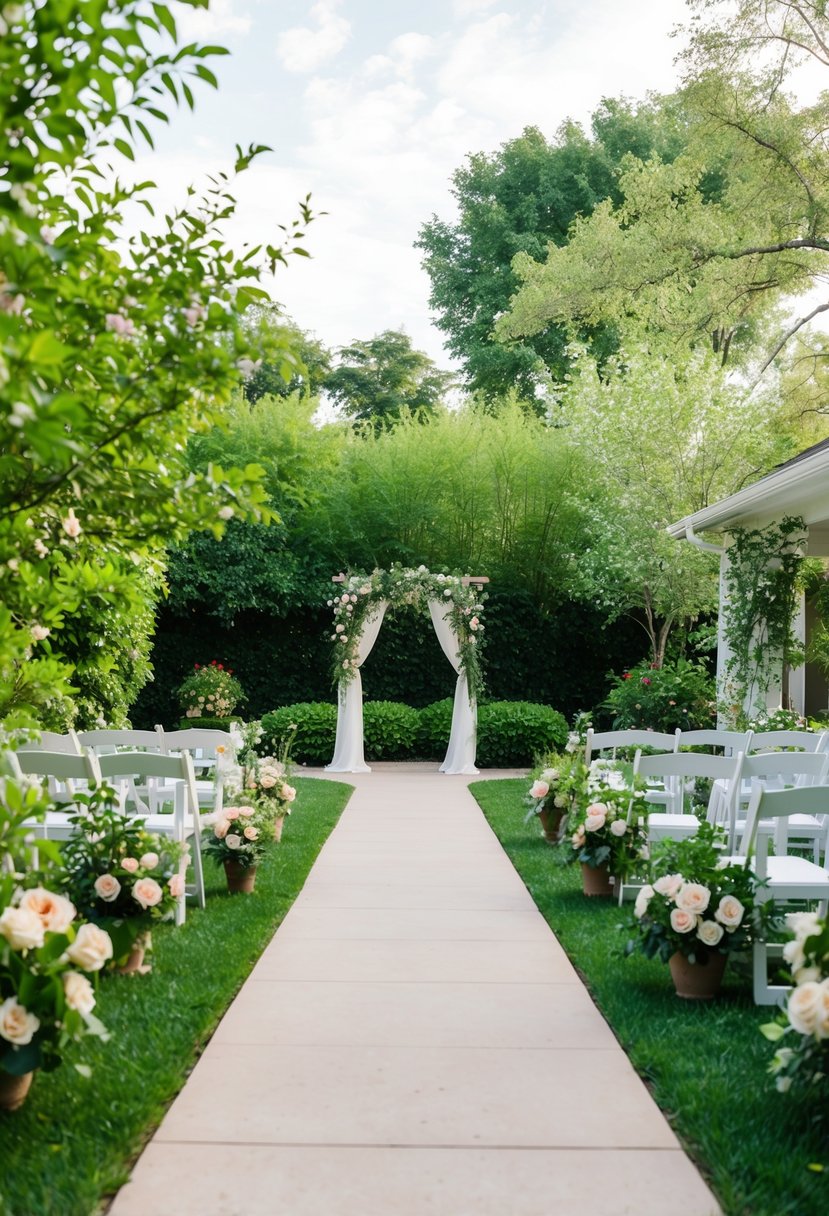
(73, 1142)
(763, 1153)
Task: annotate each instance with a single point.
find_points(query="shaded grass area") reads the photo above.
(74, 1140)
(763, 1153)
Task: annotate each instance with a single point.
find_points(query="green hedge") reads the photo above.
(511, 734)
(208, 723)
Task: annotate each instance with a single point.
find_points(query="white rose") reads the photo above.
(78, 992)
(642, 900)
(693, 897)
(560, 801)
(710, 932)
(593, 823)
(668, 885)
(233, 841)
(17, 1025)
(822, 1027)
(147, 893)
(148, 861)
(107, 888)
(55, 911)
(22, 928)
(729, 912)
(804, 1007)
(683, 921)
(550, 775)
(618, 827)
(803, 924)
(793, 954)
(91, 948)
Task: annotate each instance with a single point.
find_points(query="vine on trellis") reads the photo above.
(762, 585)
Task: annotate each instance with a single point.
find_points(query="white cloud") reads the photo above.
(303, 49)
(468, 8)
(220, 18)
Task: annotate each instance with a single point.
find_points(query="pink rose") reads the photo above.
(149, 861)
(221, 828)
(130, 864)
(246, 812)
(682, 921)
(539, 789)
(287, 793)
(147, 892)
(55, 912)
(176, 885)
(231, 813)
(107, 888)
(251, 832)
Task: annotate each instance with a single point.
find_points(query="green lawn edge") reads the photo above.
(73, 1142)
(763, 1153)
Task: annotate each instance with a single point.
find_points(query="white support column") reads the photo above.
(724, 721)
(797, 675)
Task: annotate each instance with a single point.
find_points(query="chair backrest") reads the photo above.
(64, 766)
(804, 768)
(611, 740)
(689, 764)
(195, 738)
(130, 740)
(732, 740)
(141, 765)
(805, 740)
(780, 804)
(51, 741)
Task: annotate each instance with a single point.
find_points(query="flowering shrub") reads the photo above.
(212, 690)
(558, 787)
(609, 825)
(779, 719)
(120, 875)
(239, 833)
(694, 904)
(259, 780)
(663, 698)
(805, 1020)
(361, 593)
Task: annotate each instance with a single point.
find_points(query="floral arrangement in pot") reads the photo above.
(121, 876)
(211, 691)
(238, 836)
(47, 955)
(554, 792)
(608, 830)
(804, 1023)
(695, 911)
(261, 780)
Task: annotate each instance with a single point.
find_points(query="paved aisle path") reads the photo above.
(413, 1042)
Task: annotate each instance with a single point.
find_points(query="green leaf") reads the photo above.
(773, 1031)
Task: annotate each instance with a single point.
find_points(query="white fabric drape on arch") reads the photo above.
(348, 750)
(460, 754)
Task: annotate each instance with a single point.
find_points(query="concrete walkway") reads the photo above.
(414, 1042)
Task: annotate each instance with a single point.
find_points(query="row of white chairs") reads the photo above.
(730, 741)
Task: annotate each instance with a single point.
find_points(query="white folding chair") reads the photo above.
(203, 745)
(731, 741)
(777, 770)
(675, 771)
(184, 823)
(627, 740)
(788, 740)
(150, 798)
(76, 773)
(787, 878)
(52, 741)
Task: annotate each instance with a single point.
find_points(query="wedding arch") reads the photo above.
(454, 603)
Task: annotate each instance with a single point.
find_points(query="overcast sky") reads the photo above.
(371, 105)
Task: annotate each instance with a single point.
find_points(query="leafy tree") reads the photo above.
(702, 264)
(516, 201)
(104, 356)
(380, 380)
(305, 363)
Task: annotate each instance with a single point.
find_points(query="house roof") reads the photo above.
(798, 487)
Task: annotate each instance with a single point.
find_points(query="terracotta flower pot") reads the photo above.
(278, 825)
(550, 821)
(135, 961)
(596, 880)
(13, 1090)
(240, 879)
(697, 981)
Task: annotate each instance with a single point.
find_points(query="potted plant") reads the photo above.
(694, 912)
(553, 793)
(804, 1059)
(238, 836)
(608, 829)
(121, 877)
(262, 780)
(212, 691)
(46, 957)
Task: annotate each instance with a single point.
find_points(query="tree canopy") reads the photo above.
(379, 380)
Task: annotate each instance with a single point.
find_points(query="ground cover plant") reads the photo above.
(73, 1142)
(762, 1152)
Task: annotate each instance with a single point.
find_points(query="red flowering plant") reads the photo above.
(211, 691)
(647, 697)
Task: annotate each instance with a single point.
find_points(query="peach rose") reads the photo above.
(176, 885)
(710, 933)
(130, 864)
(221, 828)
(643, 898)
(683, 921)
(804, 1007)
(231, 813)
(55, 911)
(822, 1027)
(91, 948)
(668, 885)
(78, 992)
(729, 912)
(149, 861)
(147, 892)
(245, 812)
(539, 789)
(107, 887)
(618, 827)
(251, 832)
(22, 928)
(594, 822)
(17, 1025)
(288, 793)
(693, 897)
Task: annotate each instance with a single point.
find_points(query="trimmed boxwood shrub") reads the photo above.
(435, 723)
(390, 729)
(209, 723)
(316, 731)
(511, 734)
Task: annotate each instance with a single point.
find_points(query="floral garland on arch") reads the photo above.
(359, 594)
